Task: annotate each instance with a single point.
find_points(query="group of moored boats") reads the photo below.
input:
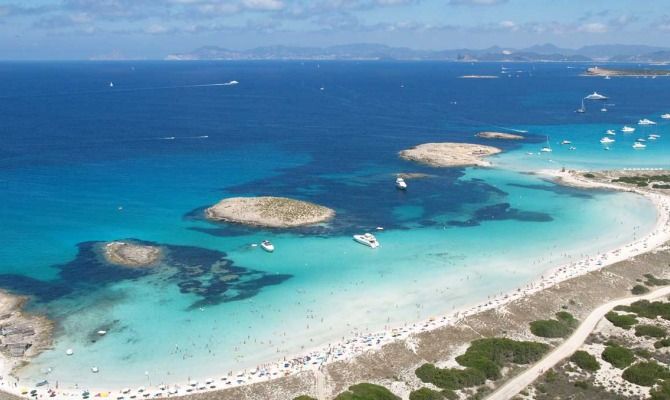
(640, 142)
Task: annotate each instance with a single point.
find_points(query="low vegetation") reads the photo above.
(646, 373)
(618, 356)
(560, 327)
(654, 281)
(304, 398)
(367, 391)
(662, 343)
(483, 360)
(585, 361)
(639, 289)
(648, 309)
(430, 394)
(650, 331)
(661, 392)
(624, 321)
(643, 180)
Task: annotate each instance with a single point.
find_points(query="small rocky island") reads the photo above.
(626, 72)
(269, 212)
(132, 255)
(499, 135)
(450, 154)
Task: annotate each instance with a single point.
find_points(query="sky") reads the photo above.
(152, 29)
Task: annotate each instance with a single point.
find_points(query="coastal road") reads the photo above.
(569, 346)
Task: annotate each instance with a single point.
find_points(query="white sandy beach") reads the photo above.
(356, 345)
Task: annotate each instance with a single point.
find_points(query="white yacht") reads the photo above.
(400, 183)
(111, 84)
(654, 136)
(595, 96)
(367, 239)
(606, 140)
(610, 132)
(603, 109)
(665, 116)
(641, 140)
(627, 129)
(267, 246)
(546, 150)
(646, 121)
(639, 145)
(566, 142)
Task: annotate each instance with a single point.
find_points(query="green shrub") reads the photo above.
(560, 327)
(651, 310)
(449, 394)
(482, 360)
(304, 398)
(624, 321)
(662, 343)
(585, 361)
(618, 356)
(644, 353)
(654, 281)
(589, 175)
(582, 385)
(645, 373)
(650, 331)
(426, 394)
(367, 391)
(661, 392)
(639, 289)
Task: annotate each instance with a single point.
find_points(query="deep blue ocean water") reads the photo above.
(82, 163)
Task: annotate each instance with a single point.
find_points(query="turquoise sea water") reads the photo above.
(82, 164)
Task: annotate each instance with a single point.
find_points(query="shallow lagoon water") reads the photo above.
(451, 240)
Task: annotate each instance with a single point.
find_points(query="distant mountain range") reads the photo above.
(546, 52)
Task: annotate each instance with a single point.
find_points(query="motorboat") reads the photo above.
(546, 150)
(69, 352)
(111, 84)
(267, 246)
(606, 140)
(627, 129)
(367, 239)
(665, 116)
(652, 137)
(610, 132)
(566, 142)
(595, 96)
(641, 140)
(95, 370)
(639, 145)
(603, 109)
(400, 183)
(646, 121)
(572, 148)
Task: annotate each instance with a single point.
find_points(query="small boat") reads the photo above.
(267, 246)
(608, 77)
(367, 239)
(380, 228)
(69, 352)
(607, 140)
(546, 150)
(566, 142)
(111, 84)
(572, 148)
(627, 129)
(610, 132)
(95, 370)
(400, 183)
(641, 140)
(102, 333)
(646, 121)
(639, 145)
(652, 138)
(606, 148)
(603, 109)
(595, 96)
(665, 116)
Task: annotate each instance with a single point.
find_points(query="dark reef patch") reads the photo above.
(500, 212)
(205, 273)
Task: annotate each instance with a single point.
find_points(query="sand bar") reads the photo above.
(450, 154)
(270, 212)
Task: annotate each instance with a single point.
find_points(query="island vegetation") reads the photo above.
(560, 327)
(585, 361)
(626, 72)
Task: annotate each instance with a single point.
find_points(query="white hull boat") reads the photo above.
(267, 246)
(367, 239)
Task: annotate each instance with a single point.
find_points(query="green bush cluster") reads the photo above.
(304, 398)
(643, 180)
(618, 356)
(367, 391)
(661, 392)
(650, 331)
(625, 321)
(639, 289)
(654, 281)
(430, 394)
(662, 343)
(585, 361)
(482, 360)
(645, 373)
(560, 327)
(648, 309)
